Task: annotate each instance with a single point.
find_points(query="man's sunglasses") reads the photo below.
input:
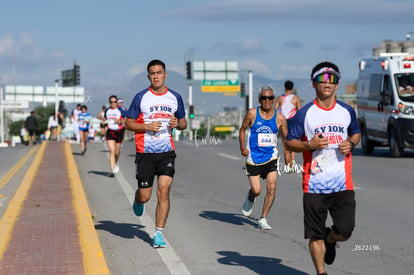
(113, 101)
(327, 78)
(263, 97)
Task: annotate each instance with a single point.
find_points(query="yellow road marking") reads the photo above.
(93, 257)
(16, 168)
(9, 218)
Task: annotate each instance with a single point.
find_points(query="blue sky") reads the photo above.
(114, 40)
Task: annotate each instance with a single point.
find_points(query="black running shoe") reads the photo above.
(330, 249)
(111, 175)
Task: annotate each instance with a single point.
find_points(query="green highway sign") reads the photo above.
(220, 83)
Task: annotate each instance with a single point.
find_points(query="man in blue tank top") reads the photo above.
(258, 143)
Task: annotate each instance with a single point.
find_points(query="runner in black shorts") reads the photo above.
(326, 130)
(114, 118)
(153, 114)
(258, 143)
(102, 124)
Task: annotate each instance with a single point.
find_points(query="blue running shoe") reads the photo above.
(138, 208)
(159, 240)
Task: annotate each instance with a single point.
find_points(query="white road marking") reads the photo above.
(229, 156)
(168, 255)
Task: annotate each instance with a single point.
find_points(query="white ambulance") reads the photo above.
(385, 102)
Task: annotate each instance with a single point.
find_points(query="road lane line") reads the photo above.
(16, 168)
(229, 156)
(9, 218)
(173, 262)
(92, 254)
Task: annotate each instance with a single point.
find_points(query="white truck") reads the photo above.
(385, 102)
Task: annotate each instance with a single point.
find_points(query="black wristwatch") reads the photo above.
(353, 144)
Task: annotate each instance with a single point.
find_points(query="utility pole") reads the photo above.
(56, 96)
(250, 89)
(190, 104)
(2, 143)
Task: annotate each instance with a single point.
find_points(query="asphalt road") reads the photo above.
(206, 233)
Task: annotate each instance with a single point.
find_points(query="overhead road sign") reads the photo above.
(230, 94)
(225, 86)
(215, 70)
(224, 128)
(13, 105)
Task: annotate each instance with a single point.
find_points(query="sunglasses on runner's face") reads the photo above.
(329, 78)
(263, 97)
(113, 101)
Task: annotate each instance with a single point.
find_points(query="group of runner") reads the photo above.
(112, 128)
(325, 130)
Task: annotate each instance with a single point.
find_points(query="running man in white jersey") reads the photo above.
(258, 143)
(74, 117)
(289, 104)
(326, 131)
(152, 115)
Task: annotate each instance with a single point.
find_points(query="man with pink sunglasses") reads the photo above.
(326, 131)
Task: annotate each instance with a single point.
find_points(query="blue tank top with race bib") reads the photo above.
(262, 140)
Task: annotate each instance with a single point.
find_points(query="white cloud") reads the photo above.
(134, 70)
(254, 65)
(6, 46)
(242, 47)
(58, 54)
(295, 69)
(351, 11)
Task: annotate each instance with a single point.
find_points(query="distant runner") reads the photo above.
(115, 118)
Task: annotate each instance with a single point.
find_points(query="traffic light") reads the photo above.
(76, 75)
(242, 89)
(191, 114)
(188, 69)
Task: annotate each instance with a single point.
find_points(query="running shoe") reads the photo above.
(111, 175)
(263, 224)
(330, 248)
(248, 206)
(138, 208)
(159, 240)
(116, 168)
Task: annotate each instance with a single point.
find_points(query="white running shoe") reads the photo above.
(116, 168)
(248, 206)
(263, 224)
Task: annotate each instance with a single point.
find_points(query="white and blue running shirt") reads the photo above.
(147, 107)
(262, 140)
(327, 170)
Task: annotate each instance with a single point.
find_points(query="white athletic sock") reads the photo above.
(158, 230)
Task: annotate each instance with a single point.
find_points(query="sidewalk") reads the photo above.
(47, 227)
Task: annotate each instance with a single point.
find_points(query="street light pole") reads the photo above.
(190, 102)
(250, 89)
(56, 96)
(2, 144)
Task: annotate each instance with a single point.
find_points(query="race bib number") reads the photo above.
(265, 140)
(323, 161)
(112, 124)
(164, 131)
